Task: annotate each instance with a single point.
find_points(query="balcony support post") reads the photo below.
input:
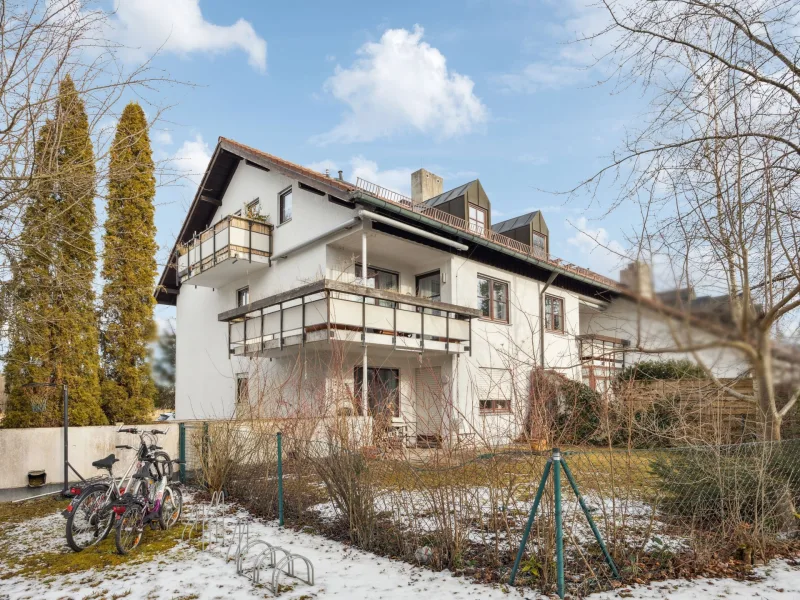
(280, 333)
(365, 371)
(303, 321)
(249, 240)
(394, 324)
(447, 332)
(214, 244)
(261, 338)
(422, 329)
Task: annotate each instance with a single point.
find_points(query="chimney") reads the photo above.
(638, 278)
(425, 185)
(340, 176)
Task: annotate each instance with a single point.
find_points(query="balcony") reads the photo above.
(330, 311)
(226, 251)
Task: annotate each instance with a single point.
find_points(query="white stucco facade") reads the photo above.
(494, 364)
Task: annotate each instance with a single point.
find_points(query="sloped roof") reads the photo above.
(519, 221)
(449, 195)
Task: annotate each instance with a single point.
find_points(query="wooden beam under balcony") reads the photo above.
(346, 288)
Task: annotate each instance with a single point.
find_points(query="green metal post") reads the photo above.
(280, 480)
(586, 512)
(559, 524)
(182, 450)
(529, 524)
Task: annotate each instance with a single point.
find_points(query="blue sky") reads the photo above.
(493, 90)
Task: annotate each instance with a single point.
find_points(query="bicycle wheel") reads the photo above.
(171, 507)
(129, 529)
(91, 518)
(160, 465)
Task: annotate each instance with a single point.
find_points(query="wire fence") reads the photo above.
(659, 512)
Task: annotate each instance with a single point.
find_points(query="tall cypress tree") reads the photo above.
(129, 268)
(53, 328)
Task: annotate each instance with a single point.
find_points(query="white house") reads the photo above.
(292, 285)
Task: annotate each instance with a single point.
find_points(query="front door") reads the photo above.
(430, 403)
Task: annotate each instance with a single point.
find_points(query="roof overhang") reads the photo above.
(223, 164)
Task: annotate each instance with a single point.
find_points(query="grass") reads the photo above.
(49, 564)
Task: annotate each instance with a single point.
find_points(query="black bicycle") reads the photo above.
(91, 514)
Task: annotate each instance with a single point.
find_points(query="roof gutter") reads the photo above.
(361, 196)
(365, 214)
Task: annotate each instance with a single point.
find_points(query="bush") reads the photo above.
(579, 413)
(723, 489)
(650, 370)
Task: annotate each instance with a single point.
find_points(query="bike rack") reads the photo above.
(209, 519)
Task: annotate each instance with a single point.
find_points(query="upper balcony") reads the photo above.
(330, 311)
(226, 251)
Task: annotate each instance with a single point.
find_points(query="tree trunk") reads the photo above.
(766, 390)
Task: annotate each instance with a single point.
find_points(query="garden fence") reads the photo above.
(658, 512)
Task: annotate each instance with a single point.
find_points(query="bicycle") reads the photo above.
(89, 515)
(160, 504)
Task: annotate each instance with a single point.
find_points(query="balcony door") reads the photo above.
(383, 391)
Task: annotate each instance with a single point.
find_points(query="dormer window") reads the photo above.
(539, 242)
(477, 219)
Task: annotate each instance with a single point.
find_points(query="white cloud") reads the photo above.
(602, 254)
(192, 158)
(161, 136)
(579, 44)
(178, 26)
(400, 84)
(398, 180)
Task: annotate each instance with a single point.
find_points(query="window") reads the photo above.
(383, 390)
(494, 390)
(242, 388)
(285, 201)
(379, 279)
(477, 219)
(539, 242)
(430, 286)
(493, 299)
(243, 297)
(553, 313)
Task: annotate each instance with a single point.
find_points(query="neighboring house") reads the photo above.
(275, 309)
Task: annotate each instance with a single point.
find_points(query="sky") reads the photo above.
(496, 90)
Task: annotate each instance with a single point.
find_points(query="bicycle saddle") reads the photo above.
(105, 463)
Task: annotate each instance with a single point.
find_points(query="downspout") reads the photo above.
(550, 279)
(364, 272)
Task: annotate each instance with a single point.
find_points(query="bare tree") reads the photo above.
(715, 167)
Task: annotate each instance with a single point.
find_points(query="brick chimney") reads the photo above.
(425, 185)
(638, 277)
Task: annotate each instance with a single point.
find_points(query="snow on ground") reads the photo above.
(342, 572)
(780, 582)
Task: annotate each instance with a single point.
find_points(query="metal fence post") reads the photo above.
(182, 450)
(529, 524)
(559, 524)
(280, 479)
(595, 531)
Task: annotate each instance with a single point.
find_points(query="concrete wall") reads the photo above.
(42, 448)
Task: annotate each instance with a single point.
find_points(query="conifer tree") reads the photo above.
(53, 327)
(129, 269)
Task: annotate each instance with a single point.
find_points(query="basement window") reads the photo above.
(494, 390)
(242, 388)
